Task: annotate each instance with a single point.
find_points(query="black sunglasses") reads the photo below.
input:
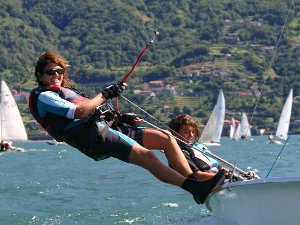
(52, 72)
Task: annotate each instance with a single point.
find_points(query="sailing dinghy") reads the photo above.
(259, 201)
(245, 131)
(232, 128)
(12, 126)
(212, 132)
(284, 121)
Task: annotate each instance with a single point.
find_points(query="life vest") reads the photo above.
(203, 162)
(53, 123)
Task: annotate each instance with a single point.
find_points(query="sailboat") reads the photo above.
(259, 201)
(245, 131)
(242, 130)
(54, 142)
(236, 134)
(12, 127)
(232, 128)
(212, 132)
(284, 121)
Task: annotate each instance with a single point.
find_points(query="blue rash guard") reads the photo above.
(50, 101)
(50, 107)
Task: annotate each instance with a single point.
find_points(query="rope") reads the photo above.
(125, 78)
(271, 62)
(264, 81)
(278, 156)
(204, 152)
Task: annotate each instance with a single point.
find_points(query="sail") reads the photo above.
(232, 128)
(213, 129)
(12, 127)
(284, 121)
(245, 126)
(237, 132)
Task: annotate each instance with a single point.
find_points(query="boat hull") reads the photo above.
(274, 142)
(264, 201)
(212, 144)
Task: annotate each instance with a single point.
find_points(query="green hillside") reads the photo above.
(102, 39)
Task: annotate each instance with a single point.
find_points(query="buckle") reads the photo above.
(105, 108)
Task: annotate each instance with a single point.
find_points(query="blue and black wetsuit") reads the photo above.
(54, 108)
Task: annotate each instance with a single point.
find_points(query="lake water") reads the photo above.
(49, 184)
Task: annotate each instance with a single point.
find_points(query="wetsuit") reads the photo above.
(92, 137)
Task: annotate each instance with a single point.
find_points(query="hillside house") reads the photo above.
(20, 96)
(230, 40)
(156, 84)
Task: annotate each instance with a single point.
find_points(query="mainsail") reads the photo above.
(245, 130)
(11, 124)
(232, 128)
(284, 121)
(214, 127)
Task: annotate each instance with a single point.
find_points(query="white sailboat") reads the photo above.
(242, 130)
(11, 127)
(232, 128)
(284, 121)
(212, 132)
(54, 142)
(245, 131)
(261, 201)
(236, 134)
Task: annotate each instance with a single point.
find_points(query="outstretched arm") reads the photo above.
(86, 108)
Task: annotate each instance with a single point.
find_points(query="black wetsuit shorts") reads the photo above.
(103, 141)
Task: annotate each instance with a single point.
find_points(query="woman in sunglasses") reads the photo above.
(70, 116)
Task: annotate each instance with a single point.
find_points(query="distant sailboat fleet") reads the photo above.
(241, 129)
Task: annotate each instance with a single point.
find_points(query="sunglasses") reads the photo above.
(52, 72)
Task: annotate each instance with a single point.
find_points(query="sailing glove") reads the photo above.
(114, 90)
(129, 118)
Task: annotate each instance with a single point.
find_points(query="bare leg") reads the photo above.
(156, 139)
(204, 175)
(148, 160)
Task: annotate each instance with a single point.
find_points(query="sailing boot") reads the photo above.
(201, 189)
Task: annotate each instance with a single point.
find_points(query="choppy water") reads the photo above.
(59, 185)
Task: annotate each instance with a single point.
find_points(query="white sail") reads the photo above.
(12, 127)
(245, 130)
(232, 128)
(284, 121)
(213, 129)
(237, 132)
